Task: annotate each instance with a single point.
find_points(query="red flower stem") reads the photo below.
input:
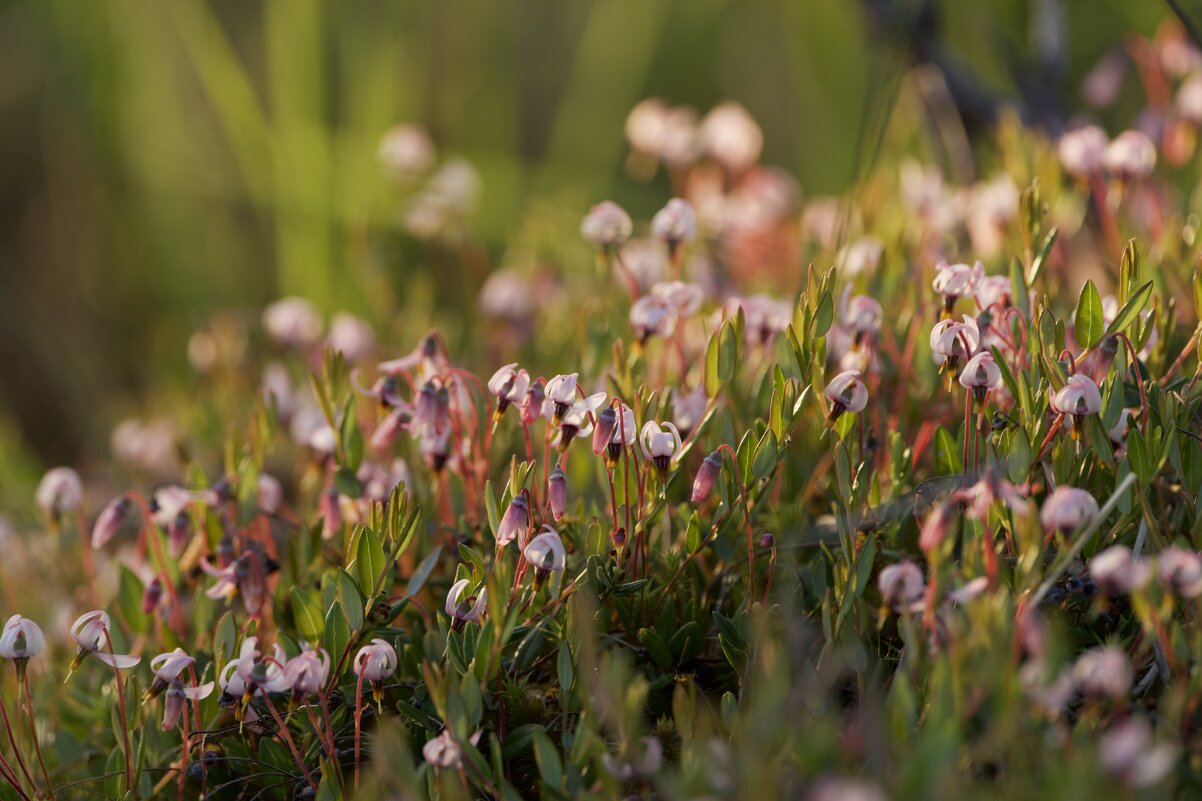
(358, 724)
(13, 742)
(129, 761)
(287, 737)
(1139, 382)
(33, 734)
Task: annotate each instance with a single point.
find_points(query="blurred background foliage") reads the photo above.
(160, 161)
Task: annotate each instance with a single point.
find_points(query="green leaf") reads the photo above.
(225, 638)
(519, 741)
(713, 380)
(306, 610)
(418, 579)
(369, 561)
(764, 461)
(1088, 324)
(490, 506)
(550, 768)
(129, 600)
(351, 600)
(824, 314)
(1130, 310)
(1041, 258)
(337, 632)
(947, 454)
(656, 647)
(728, 354)
(347, 483)
(692, 537)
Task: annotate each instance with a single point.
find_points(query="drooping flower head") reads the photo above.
(707, 474)
(561, 394)
(465, 609)
(981, 375)
(661, 444)
(1067, 509)
(60, 492)
(847, 393)
(166, 668)
(110, 521)
(1131, 156)
(675, 223)
(954, 281)
(546, 553)
(376, 662)
(901, 585)
(607, 225)
(952, 343)
(508, 385)
(516, 520)
(307, 672)
(90, 631)
(20, 641)
(1082, 151)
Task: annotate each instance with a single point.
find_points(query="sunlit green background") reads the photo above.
(161, 159)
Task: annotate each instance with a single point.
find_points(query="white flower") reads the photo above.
(21, 639)
(292, 322)
(545, 552)
(59, 492)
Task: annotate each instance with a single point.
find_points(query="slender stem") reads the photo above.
(129, 760)
(358, 724)
(287, 737)
(1143, 398)
(13, 742)
(33, 734)
(747, 518)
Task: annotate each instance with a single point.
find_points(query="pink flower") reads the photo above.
(546, 553)
(376, 661)
(307, 672)
(166, 668)
(405, 150)
(577, 420)
(561, 393)
(901, 585)
(1078, 397)
(606, 225)
(292, 322)
(860, 256)
(516, 520)
(951, 341)
(651, 315)
(351, 336)
(675, 223)
(177, 696)
(847, 393)
(1067, 509)
(1129, 752)
(993, 290)
(1180, 571)
(508, 385)
(557, 490)
(683, 298)
(271, 494)
(707, 474)
(1131, 155)
(90, 631)
(532, 403)
(731, 137)
(465, 610)
(981, 375)
(863, 315)
(660, 444)
(625, 432)
(444, 753)
(607, 420)
(21, 640)
(957, 281)
(1082, 151)
(59, 492)
(1103, 672)
(110, 521)
(1117, 572)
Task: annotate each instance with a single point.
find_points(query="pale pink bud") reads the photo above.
(110, 521)
(732, 137)
(606, 225)
(558, 493)
(707, 474)
(1067, 509)
(1083, 150)
(515, 521)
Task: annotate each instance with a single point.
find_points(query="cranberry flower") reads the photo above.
(560, 394)
(954, 281)
(1117, 571)
(1131, 155)
(557, 492)
(307, 672)
(606, 225)
(516, 520)
(546, 553)
(59, 492)
(1078, 397)
(577, 420)
(178, 694)
(110, 521)
(862, 315)
(20, 641)
(375, 662)
(652, 315)
(1180, 571)
(675, 223)
(166, 668)
(1067, 508)
(444, 753)
(465, 610)
(847, 393)
(660, 444)
(901, 585)
(90, 631)
(1082, 151)
(624, 432)
(981, 375)
(508, 385)
(952, 342)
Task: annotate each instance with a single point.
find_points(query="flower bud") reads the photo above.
(558, 492)
(111, 519)
(708, 473)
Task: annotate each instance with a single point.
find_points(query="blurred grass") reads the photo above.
(161, 160)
